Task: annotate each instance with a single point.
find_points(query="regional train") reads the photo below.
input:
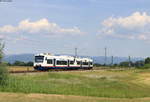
(47, 61)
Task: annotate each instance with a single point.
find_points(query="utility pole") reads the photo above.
(112, 60)
(129, 61)
(76, 52)
(105, 56)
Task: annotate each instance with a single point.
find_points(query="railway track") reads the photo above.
(58, 70)
(23, 71)
(35, 71)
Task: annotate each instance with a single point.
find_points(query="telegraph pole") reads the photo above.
(76, 52)
(112, 60)
(129, 61)
(105, 56)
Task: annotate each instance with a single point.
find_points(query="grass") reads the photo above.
(97, 83)
(30, 68)
(20, 68)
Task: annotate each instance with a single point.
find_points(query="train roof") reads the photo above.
(63, 57)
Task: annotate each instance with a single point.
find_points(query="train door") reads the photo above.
(68, 63)
(89, 64)
(81, 64)
(54, 63)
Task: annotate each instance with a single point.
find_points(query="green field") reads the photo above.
(130, 84)
(20, 68)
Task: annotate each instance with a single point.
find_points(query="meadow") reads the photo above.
(112, 85)
(20, 68)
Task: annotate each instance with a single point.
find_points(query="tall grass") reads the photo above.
(3, 74)
(3, 69)
(77, 84)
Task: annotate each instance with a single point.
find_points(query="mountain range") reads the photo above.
(96, 59)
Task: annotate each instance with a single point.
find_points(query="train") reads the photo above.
(48, 61)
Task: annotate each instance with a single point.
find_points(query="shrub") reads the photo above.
(20, 63)
(3, 74)
(139, 64)
(146, 66)
(147, 60)
(3, 69)
(29, 63)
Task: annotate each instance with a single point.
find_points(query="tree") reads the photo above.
(1, 51)
(147, 60)
(126, 64)
(3, 69)
(19, 63)
(97, 65)
(139, 64)
(29, 63)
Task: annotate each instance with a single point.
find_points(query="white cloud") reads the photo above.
(42, 26)
(8, 29)
(136, 26)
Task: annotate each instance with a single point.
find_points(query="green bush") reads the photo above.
(146, 66)
(3, 68)
(147, 60)
(20, 63)
(3, 74)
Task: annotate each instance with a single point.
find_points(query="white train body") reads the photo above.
(45, 61)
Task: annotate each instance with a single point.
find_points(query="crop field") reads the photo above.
(117, 85)
(20, 68)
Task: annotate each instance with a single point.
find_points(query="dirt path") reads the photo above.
(19, 97)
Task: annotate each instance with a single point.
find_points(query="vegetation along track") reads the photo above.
(36, 71)
(56, 70)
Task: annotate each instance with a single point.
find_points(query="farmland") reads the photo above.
(90, 85)
(20, 68)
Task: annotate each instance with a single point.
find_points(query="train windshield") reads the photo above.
(39, 59)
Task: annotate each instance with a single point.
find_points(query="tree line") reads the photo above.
(20, 63)
(138, 64)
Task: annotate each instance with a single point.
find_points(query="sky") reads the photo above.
(59, 26)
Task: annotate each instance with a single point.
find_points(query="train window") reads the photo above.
(39, 59)
(49, 61)
(85, 63)
(71, 62)
(91, 63)
(78, 62)
(61, 62)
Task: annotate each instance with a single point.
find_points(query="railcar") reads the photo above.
(46, 61)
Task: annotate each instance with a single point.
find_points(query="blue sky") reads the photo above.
(58, 26)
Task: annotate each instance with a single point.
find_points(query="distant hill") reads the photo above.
(97, 59)
(19, 57)
(116, 60)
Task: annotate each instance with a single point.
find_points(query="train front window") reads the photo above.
(39, 59)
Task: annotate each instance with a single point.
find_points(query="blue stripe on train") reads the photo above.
(47, 68)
